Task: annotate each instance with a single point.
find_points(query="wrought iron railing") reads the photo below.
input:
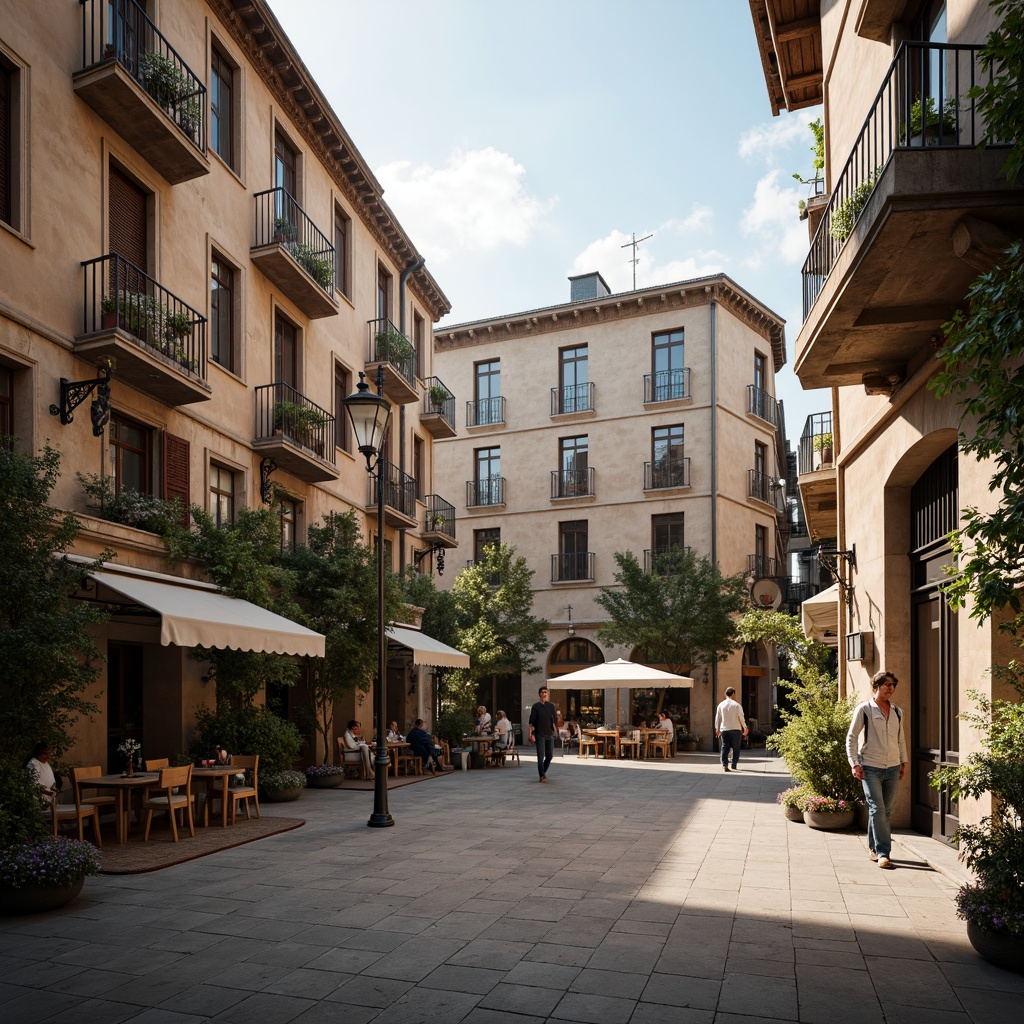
(923, 102)
(761, 566)
(572, 483)
(799, 590)
(576, 565)
(283, 411)
(488, 490)
(120, 30)
(280, 220)
(671, 472)
(766, 488)
(399, 489)
(439, 516)
(387, 344)
(483, 412)
(660, 561)
(667, 385)
(439, 400)
(117, 294)
(572, 398)
(762, 404)
(816, 448)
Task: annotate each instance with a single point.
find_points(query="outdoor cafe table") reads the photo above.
(394, 748)
(210, 775)
(609, 739)
(124, 785)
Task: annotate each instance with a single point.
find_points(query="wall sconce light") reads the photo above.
(570, 629)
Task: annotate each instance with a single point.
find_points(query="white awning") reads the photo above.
(426, 650)
(196, 614)
(819, 616)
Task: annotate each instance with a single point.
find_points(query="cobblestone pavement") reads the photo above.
(619, 893)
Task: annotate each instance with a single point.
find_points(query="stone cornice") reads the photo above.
(257, 31)
(623, 306)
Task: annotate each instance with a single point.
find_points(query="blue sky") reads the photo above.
(521, 143)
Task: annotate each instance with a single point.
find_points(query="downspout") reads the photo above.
(402, 278)
(714, 500)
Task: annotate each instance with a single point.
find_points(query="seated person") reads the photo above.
(502, 732)
(573, 729)
(665, 725)
(352, 739)
(423, 747)
(394, 736)
(483, 721)
(42, 774)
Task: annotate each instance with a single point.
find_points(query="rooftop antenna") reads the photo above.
(632, 245)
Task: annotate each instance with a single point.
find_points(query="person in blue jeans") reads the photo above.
(543, 726)
(877, 752)
(730, 728)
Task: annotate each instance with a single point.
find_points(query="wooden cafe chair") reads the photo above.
(352, 758)
(587, 744)
(659, 744)
(249, 764)
(174, 788)
(78, 812)
(84, 793)
(631, 742)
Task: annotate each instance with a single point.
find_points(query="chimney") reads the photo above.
(588, 286)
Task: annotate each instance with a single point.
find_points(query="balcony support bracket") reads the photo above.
(842, 574)
(439, 549)
(267, 467)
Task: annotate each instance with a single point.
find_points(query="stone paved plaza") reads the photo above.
(619, 893)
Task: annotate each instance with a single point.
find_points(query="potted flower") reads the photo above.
(826, 812)
(823, 445)
(789, 801)
(436, 521)
(438, 395)
(993, 905)
(278, 787)
(689, 740)
(325, 776)
(130, 748)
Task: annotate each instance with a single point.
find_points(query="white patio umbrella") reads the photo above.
(620, 673)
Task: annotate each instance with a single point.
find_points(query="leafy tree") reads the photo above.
(495, 625)
(680, 616)
(335, 581)
(47, 649)
(785, 633)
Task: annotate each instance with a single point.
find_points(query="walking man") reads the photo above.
(543, 726)
(730, 728)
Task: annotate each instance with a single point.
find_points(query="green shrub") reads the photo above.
(453, 725)
(846, 213)
(128, 507)
(250, 730)
(21, 817)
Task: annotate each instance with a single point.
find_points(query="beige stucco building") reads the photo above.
(180, 204)
(634, 421)
(910, 212)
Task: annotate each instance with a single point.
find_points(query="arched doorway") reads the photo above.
(585, 707)
(935, 682)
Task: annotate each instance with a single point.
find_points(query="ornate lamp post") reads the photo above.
(369, 414)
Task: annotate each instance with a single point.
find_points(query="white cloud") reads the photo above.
(764, 140)
(476, 201)
(774, 221)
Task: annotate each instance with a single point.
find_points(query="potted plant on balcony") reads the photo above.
(318, 266)
(823, 446)
(392, 346)
(846, 213)
(815, 182)
(436, 521)
(284, 230)
(928, 126)
(438, 395)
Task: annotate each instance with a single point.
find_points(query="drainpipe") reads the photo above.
(402, 278)
(714, 500)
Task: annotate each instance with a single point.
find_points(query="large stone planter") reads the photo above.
(280, 796)
(687, 748)
(38, 899)
(792, 813)
(325, 781)
(829, 820)
(999, 948)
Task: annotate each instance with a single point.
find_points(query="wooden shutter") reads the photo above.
(176, 474)
(127, 219)
(5, 144)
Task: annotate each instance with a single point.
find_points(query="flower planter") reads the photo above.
(829, 820)
(999, 948)
(280, 796)
(325, 781)
(37, 899)
(792, 813)
(688, 747)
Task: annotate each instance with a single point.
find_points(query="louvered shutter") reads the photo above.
(127, 218)
(176, 474)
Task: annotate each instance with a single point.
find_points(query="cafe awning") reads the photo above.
(819, 616)
(194, 614)
(426, 650)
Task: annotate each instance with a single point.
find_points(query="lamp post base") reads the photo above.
(380, 820)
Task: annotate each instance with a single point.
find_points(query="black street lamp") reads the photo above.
(369, 414)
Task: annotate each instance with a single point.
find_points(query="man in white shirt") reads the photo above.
(730, 728)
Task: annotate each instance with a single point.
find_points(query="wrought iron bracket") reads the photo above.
(74, 392)
(439, 549)
(841, 574)
(267, 466)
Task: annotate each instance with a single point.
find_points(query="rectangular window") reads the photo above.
(573, 379)
(487, 392)
(761, 566)
(222, 313)
(342, 258)
(573, 468)
(668, 463)
(6, 401)
(222, 118)
(760, 458)
(130, 446)
(342, 389)
(760, 371)
(666, 532)
(485, 539)
(488, 476)
(289, 512)
(285, 167)
(572, 550)
(667, 366)
(383, 294)
(418, 338)
(7, 85)
(286, 353)
(222, 494)
(417, 466)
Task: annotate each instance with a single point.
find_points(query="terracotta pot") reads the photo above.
(325, 781)
(280, 796)
(792, 813)
(40, 898)
(829, 819)
(999, 948)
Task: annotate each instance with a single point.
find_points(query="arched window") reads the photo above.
(576, 651)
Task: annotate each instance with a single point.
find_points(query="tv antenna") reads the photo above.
(636, 259)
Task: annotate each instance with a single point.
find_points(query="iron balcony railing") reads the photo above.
(572, 483)
(577, 565)
(923, 101)
(797, 591)
(572, 398)
(438, 399)
(280, 220)
(660, 561)
(399, 489)
(761, 566)
(762, 405)
(120, 30)
(439, 516)
(118, 294)
(283, 411)
(765, 488)
(816, 449)
(667, 385)
(486, 491)
(387, 344)
(672, 472)
(483, 412)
